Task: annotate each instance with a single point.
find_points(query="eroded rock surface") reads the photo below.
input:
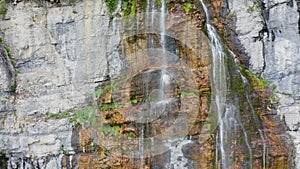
(61, 55)
(269, 32)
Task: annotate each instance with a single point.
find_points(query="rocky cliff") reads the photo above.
(58, 60)
(265, 34)
(62, 60)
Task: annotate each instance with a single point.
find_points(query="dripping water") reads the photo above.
(219, 86)
(261, 133)
(229, 120)
(163, 59)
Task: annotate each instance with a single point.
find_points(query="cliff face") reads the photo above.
(268, 34)
(54, 62)
(60, 60)
(60, 55)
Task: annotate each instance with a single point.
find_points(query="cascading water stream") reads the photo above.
(219, 86)
(226, 108)
(156, 97)
(163, 56)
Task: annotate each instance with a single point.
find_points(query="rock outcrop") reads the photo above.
(60, 55)
(63, 53)
(269, 33)
(73, 79)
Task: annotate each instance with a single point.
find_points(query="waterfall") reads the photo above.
(164, 76)
(219, 86)
(229, 120)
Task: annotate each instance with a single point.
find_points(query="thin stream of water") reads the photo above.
(227, 110)
(219, 84)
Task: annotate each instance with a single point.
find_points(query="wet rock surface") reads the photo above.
(81, 102)
(269, 32)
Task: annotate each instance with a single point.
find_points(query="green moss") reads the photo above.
(72, 1)
(158, 3)
(184, 94)
(7, 51)
(133, 8)
(1, 40)
(253, 7)
(111, 5)
(212, 122)
(13, 88)
(143, 4)
(106, 89)
(9, 56)
(60, 115)
(3, 8)
(134, 101)
(85, 115)
(273, 87)
(255, 82)
(187, 6)
(21, 129)
(107, 129)
(170, 5)
(129, 7)
(107, 107)
(130, 135)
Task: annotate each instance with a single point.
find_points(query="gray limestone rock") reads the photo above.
(274, 54)
(61, 56)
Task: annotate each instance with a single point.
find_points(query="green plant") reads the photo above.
(93, 147)
(111, 5)
(62, 150)
(129, 10)
(21, 129)
(106, 152)
(107, 88)
(60, 115)
(106, 129)
(7, 51)
(232, 13)
(273, 86)
(126, 8)
(170, 5)
(101, 91)
(253, 7)
(3, 8)
(250, 8)
(130, 135)
(184, 94)
(158, 3)
(72, 1)
(1, 40)
(14, 113)
(187, 6)
(255, 82)
(13, 88)
(85, 114)
(134, 101)
(9, 55)
(208, 126)
(109, 106)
